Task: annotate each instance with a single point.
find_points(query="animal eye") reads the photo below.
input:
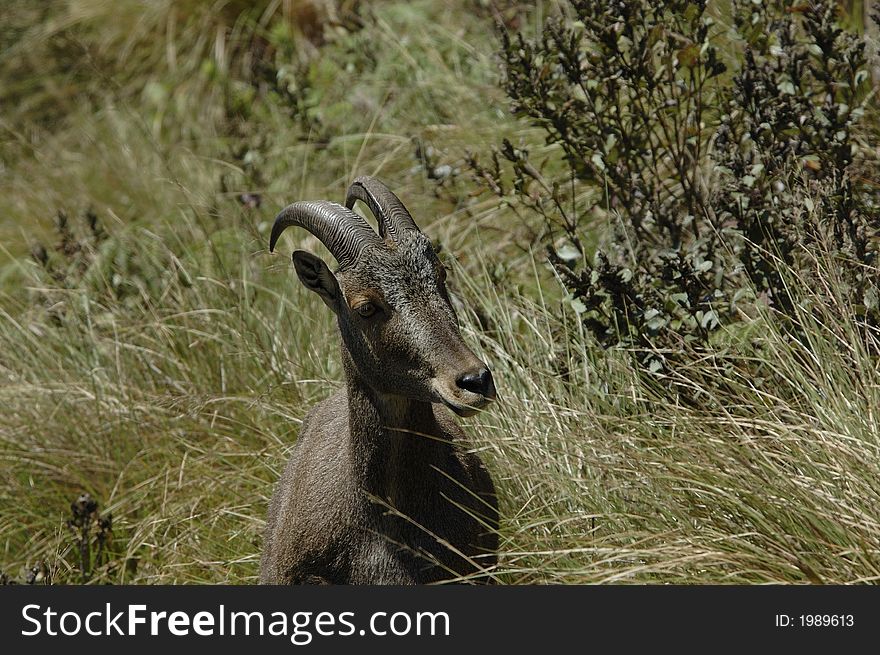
(366, 309)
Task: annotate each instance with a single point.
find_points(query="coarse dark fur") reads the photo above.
(381, 487)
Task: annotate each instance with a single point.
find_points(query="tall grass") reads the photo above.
(165, 369)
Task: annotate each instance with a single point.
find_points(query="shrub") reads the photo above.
(711, 171)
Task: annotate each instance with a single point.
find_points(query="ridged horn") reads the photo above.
(391, 215)
(343, 232)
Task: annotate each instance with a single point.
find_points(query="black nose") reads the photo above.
(478, 381)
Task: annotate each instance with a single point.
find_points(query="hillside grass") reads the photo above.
(163, 364)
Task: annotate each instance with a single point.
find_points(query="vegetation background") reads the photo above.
(672, 408)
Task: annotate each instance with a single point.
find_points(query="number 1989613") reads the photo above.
(815, 621)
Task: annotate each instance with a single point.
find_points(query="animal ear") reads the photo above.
(314, 274)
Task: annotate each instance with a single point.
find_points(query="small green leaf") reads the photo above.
(681, 299)
(709, 320)
(786, 88)
(568, 252)
(578, 307)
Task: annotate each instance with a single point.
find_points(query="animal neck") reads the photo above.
(396, 442)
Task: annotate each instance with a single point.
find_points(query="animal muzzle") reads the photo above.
(468, 392)
(478, 381)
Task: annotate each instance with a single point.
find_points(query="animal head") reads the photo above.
(389, 296)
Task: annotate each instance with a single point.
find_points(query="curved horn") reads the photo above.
(343, 232)
(392, 216)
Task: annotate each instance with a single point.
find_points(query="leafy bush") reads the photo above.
(785, 150)
(710, 173)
